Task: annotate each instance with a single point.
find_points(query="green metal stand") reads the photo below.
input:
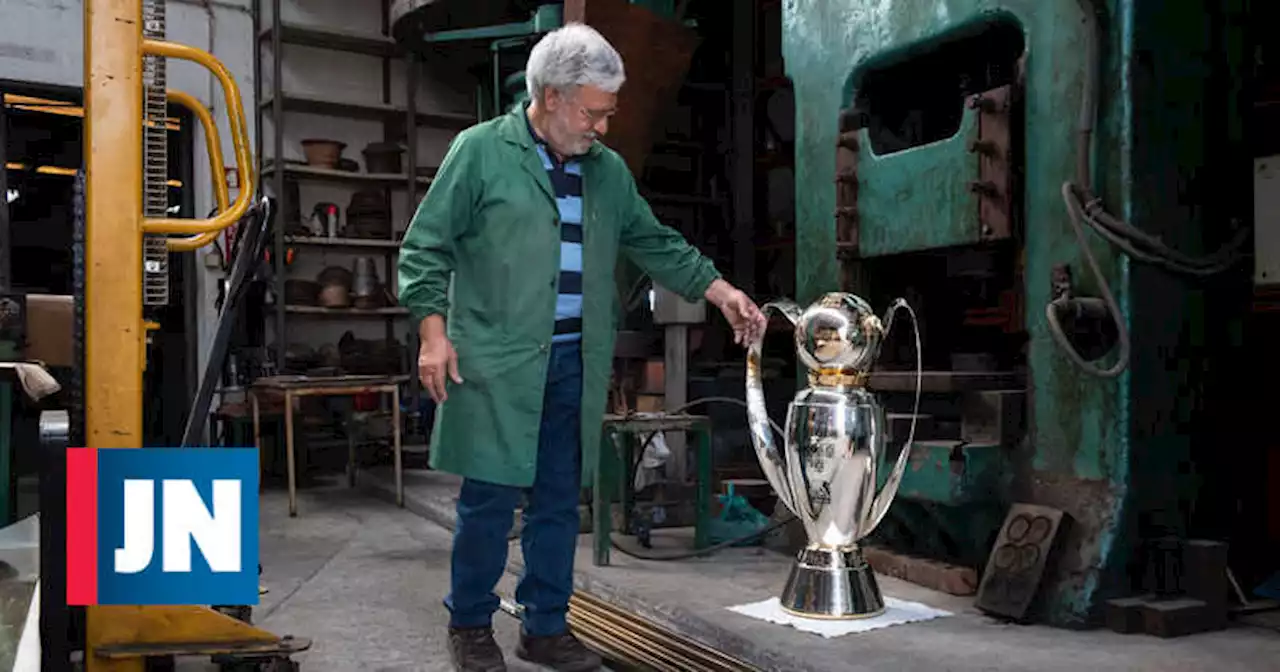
(615, 473)
(504, 37)
(544, 20)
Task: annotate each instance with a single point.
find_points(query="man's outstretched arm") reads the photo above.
(672, 262)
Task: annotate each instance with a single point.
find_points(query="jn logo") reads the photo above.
(162, 526)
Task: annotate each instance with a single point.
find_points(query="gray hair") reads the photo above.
(572, 56)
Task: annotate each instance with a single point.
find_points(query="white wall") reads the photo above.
(41, 41)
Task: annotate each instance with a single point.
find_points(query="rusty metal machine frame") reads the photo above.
(1105, 444)
(122, 638)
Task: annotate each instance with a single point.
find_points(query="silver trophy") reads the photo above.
(835, 441)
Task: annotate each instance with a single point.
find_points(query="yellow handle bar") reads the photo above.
(239, 137)
(214, 148)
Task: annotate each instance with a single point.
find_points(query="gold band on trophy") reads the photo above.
(838, 378)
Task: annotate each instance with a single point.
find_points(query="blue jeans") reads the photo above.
(549, 536)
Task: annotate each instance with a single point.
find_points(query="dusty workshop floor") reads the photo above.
(692, 596)
(362, 579)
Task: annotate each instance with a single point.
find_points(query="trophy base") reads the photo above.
(832, 584)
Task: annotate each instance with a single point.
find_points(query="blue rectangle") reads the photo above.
(570, 209)
(546, 158)
(178, 481)
(568, 306)
(571, 257)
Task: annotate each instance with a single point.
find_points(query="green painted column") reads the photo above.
(1079, 447)
(1109, 452)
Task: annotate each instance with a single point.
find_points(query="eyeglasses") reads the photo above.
(594, 116)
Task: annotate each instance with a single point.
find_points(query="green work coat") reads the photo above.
(483, 249)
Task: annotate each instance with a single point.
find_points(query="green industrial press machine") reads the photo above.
(942, 149)
(1057, 186)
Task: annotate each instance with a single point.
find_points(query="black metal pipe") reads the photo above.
(250, 245)
(278, 175)
(55, 615)
(411, 205)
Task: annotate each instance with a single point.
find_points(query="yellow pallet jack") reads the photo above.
(136, 638)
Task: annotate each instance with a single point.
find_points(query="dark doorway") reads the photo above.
(43, 150)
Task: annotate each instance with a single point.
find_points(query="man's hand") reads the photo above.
(742, 313)
(436, 358)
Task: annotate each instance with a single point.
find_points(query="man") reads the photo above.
(509, 265)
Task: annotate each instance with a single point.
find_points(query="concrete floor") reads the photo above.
(363, 580)
(692, 596)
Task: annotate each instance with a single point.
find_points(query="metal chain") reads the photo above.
(75, 397)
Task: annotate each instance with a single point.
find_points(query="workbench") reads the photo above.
(615, 474)
(294, 387)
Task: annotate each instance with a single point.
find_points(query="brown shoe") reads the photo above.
(558, 652)
(473, 650)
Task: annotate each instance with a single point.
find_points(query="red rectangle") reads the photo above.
(82, 526)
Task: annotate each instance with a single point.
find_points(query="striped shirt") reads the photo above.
(566, 182)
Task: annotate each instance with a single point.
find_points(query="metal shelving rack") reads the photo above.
(276, 104)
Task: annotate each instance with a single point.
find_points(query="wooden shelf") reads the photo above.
(334, 40)
(373, 112)
(391, 311)
(317, 241)
(303, 172)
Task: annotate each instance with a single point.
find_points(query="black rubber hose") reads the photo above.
(1051, 309)
(1086, 208)
(1091, 207)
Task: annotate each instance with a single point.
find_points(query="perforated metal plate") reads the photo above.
(1018, 559)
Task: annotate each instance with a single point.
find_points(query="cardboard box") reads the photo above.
(51, 329)
(649, 403)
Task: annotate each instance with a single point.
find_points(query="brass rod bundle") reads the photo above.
(634, 640)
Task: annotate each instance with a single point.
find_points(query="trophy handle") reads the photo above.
(880, 506)
(772, 461)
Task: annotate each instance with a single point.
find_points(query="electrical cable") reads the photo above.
(1113, 308)
(1084, 207)
(1091, 205)
(1088, 115)
(728, 400)
(1128, 238)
